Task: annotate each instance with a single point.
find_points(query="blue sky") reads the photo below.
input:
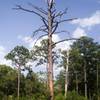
(16, 27)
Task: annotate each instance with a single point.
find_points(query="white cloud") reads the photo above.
(89, 21)
(64, 45)
(30, 41)
(56, 38)
(3, 52)
(79, 32)
(27, 40)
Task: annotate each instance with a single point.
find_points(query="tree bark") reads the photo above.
(50, 59)
(47, 83)
(18, 92)
(50, 68)
(85, 79)
(97, 83)
(66, 75)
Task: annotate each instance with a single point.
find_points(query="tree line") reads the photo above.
(83, 74)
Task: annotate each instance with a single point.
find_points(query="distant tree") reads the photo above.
(65, 64)
(19, 57)
(60, 82)
(97, 61)
(82, 78)
(82, 59)
(40, 55)
(35, 87)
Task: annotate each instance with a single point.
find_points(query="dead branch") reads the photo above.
(55, 28)
(65, 40)
(66, 20)
(63, 31)
(19, 7)
(50, 3)
(57, 23)
(53, 12)
(39, 38)
(45, 23)
(41, 29)
(60, 14)
(38, 9)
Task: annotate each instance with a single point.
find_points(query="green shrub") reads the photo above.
(74, 96)
(59, 97)
(70, 96)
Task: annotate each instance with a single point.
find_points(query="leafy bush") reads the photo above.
(59, 97)
(74, 96)
(70, 96)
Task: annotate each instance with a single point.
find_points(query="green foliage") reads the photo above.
(31, 88)
(40, 53)
(64, 56)
(59, 97)
(60, 82)
(19, 56)
(8, 78)
(74, 96)
(70, 96)
(84, 52)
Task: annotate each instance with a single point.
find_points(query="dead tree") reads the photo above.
(51, 20)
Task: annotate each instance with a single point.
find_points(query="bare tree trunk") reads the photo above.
(97, 83)
(47, 83)
(66, 75)
(50, 59)
(85, 79)
(50, 67)
(18, 93)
